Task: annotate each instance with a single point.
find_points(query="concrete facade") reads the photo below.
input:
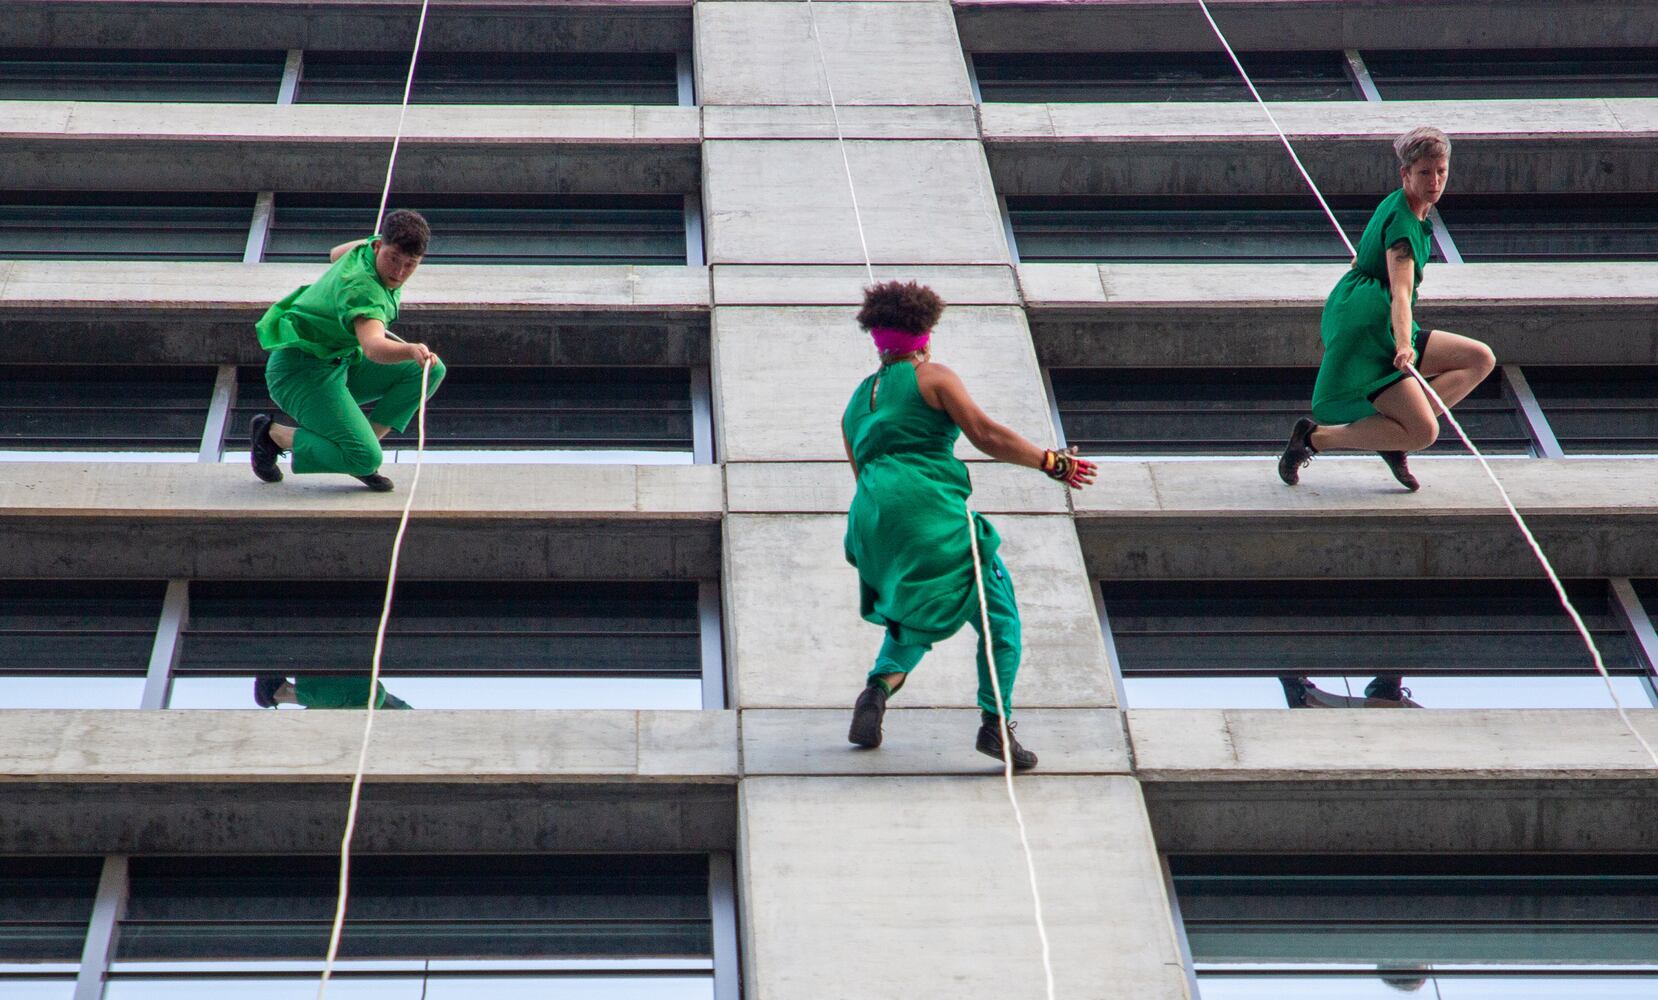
(887, 874)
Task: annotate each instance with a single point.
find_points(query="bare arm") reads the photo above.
(942, 389)
(379, 348)
(343, 249)
(1401, 279)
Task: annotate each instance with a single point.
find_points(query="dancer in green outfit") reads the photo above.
(1364, 399)
(331, 352)
(907, 530)
(272, 690)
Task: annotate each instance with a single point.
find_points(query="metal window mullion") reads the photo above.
(722, 907)
(702, 415)
(164, 654)
(218, 415)
(107, 910)
(973, 80)
(292, 70)
(685, 72)
(1537, 424)
(712, 638)
(695, 254)
(1442, 238)
(1007, 230)
(1627, 604)
(1359, 74)
(1113, 663)
(259, 229)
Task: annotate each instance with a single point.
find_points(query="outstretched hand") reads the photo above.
(1067, 468)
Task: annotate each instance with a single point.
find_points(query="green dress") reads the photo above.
(904, 531)
(1357, 326)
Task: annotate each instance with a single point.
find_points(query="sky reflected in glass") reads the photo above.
(71, 692)
(1427, 986)
(419, 988)
(1430, 692)
(476, 692)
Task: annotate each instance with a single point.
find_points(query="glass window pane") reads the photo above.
(634, 693)
(1486, 74)
(491, 78)
(95, 409)
(1605, 226)
(1599, 409)
(172, 76)
(124, 225)
(1044, 77)
(76, 643)
(38, 989)
(419, 988)
(45, 904)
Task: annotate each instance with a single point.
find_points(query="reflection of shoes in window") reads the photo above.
(265, 688)
(1295, 691)
(1386, 691)
(1396, 464)
(377, 482)
(393, 701)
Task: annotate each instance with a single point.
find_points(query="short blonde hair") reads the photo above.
(1420, 142)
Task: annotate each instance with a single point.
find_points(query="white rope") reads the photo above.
(1007, 754)
(840, 138)
(391, 575)
(1508, 502)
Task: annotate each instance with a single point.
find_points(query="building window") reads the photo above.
(1552, 227)
(76, 643)
(1465, 927)
(1231, 411)
(1453, 643)
(45, 907)
(1599, 410)
(491, 78)
(67, 411)
(178, 75)
(124, 225)
(1157, 76)
(1484, 74)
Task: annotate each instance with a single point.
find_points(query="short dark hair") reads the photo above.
(900, 305)
(407, 231)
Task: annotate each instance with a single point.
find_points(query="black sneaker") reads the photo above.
(262, 450)
(866, 717)
(990, 742)
(1396, 464)
(1298, 452)
(265, 688)
(377, 482)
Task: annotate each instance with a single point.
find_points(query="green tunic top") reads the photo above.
(320, 318)
(906, 532)
(1357, 326)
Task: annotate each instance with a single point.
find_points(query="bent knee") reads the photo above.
(362, 458)
(435, 376)
(1422, 436)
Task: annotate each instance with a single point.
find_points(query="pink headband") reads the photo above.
(893, 341)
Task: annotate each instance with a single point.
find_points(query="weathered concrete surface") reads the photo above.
(787, 202)
(928, 741)
(795, 639)
(131, 489)
(782, 377)
(827, 487)
(424, 746)
(766, 285)
(873, 53)
(933, 121)
(838, 870)
(1180, 745)
(1274, 25)
(199, 286)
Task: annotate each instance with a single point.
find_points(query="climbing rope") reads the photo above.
(391, 574)
(1508, 502)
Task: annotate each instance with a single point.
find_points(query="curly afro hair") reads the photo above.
(900, 305)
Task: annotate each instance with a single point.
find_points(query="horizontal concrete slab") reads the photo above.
(795, 639)
(1268, 313)
(422, 746)
(1277, 25)
(923, 121)
(772, 404)
(1178, 745)
(825, 285)
(865, 53)
(838, 869)
(787, 202)
(928, 741)
(827, 487)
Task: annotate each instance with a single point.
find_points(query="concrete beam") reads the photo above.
(1291, 25)
(1267, 314)
(923, 121)
(928, 741)
(1234, 519)
(795, 639)
(769, 406)
(787, 202)
(837, 869)
(872, 53)
(409, 747)
(599, 149)
(354, 25)
(827, 488)
(843, 285)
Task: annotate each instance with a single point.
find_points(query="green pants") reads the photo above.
(326, 398)
(900, 658)
(341, 692)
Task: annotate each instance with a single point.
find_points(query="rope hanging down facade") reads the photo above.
(1450, 418)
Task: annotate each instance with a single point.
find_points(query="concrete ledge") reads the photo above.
(827, 487)
(857, 122)
(928, 741)
(1289, 25)
(842, 285)
(1181, 745)
(422, 746)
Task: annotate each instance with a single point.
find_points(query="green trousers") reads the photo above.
(341, 692)
(900, 658)
(326, 398)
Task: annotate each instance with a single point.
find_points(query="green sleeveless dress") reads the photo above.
(906, 530)
(1357, 325)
